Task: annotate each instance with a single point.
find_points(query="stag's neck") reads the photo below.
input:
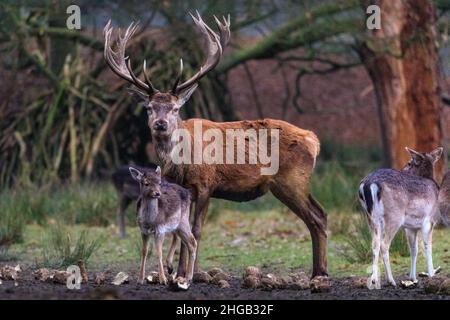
(163, 149)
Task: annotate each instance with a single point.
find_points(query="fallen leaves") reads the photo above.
(120, 278)
(10, 273)
(202, 277)
(179, 284)
(49, 275)
(408, 284)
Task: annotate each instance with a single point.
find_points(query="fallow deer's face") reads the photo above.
(149, 182)
(422, 163)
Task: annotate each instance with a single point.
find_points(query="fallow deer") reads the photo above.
(127, 191)
(405, 199)
(163, 208)
(298, 148)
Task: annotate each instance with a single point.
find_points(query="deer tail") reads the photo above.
(369, 195)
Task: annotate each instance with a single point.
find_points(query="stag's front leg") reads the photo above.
(144, 252)
(201, 210)
(159, 239)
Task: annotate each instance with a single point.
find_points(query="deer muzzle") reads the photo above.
(160, 125)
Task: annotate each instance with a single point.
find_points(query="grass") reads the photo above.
(61, 248)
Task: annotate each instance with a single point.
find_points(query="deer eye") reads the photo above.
(175, 110)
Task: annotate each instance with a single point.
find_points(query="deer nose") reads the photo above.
(156, 194)
(160, 125)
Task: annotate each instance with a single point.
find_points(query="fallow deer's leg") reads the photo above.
(144, 252)
(389, 232)
(159, 239)
(375, 282)
(200, 208)
(413, 245)
(427, 230)
(189, 240)
(171, 253)
(123, 204)
(298, 199)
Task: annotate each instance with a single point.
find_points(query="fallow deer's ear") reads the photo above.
(135, 173)
(414, 154)
(184, 95)
(138, 96)
(158, 170)
(436, 154)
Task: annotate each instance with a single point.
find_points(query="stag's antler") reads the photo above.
(121, 64)
(214, 46)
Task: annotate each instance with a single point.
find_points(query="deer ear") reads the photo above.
(414, 154)
(158, 170)
(135, 173)
(138, 96)
(436, 154)
(184, 95)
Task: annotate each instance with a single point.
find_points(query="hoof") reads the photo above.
(373, 284)
(163, 281)
(169, 269)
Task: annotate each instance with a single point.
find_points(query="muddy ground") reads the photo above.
(341, 288)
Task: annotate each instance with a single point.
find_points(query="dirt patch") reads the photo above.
(28, 287)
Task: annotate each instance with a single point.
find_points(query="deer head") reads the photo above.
(163, 107)
(149, 181)
(422, 163)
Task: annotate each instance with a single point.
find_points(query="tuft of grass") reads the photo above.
(62, 249)
(12, 222)
(358, 244)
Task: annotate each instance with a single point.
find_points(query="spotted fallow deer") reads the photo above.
(407, 199)
(298, 148)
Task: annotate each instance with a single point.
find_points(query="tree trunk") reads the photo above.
(402, 61)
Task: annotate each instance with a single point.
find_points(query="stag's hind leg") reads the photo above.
(298, 199)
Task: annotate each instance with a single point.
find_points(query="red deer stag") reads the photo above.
(298, 148)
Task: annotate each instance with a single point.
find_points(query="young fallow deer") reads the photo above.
(162, 208)
(127, 191)
(405, 199)
(298, 148)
